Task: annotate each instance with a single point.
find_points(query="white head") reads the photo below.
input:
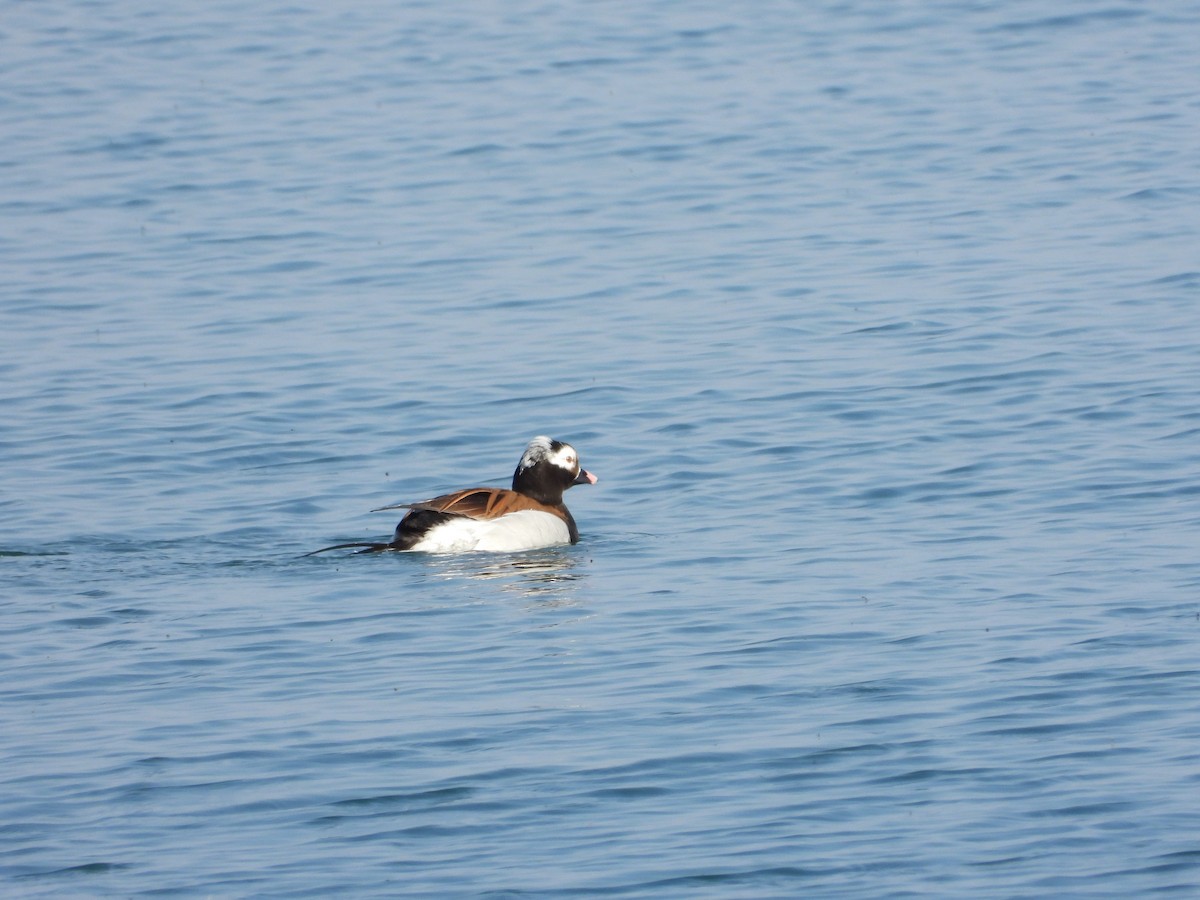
(545, 449)
(547, 468)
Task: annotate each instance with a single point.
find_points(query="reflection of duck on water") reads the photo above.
(545, 574)
(530, 516)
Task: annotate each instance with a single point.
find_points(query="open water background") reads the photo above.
(878, 322)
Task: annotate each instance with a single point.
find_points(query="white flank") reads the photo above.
(527, 529)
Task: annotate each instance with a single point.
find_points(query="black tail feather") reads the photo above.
(370, 547)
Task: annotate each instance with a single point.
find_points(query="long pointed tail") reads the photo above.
(370, 547)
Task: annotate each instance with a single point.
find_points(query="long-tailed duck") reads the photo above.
(529, 516)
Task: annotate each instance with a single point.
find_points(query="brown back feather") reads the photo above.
(485, 503)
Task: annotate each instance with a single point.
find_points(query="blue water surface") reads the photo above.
(878, 323)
